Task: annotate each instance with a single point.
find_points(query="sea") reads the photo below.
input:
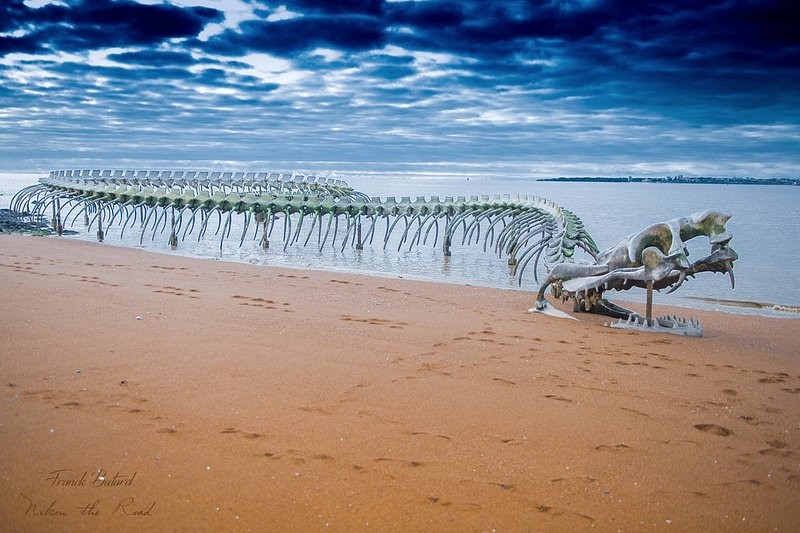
(764, 224)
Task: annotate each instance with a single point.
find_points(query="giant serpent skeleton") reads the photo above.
(525, 228)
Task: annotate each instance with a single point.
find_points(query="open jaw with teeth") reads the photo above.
(655, 258)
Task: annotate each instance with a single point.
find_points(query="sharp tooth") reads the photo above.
(681, 279)
(730, 273)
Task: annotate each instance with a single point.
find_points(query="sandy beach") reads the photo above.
(147, 391)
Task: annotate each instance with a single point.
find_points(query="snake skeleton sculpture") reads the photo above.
(525, 228)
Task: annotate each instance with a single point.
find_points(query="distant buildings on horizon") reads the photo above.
(680, 178)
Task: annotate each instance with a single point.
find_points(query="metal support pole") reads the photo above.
(649, 309)
(264, 236)
(446, 241)
(57, 225)
(173, 238)
(100, 234)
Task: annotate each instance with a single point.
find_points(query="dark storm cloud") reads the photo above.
(336, 7)
(93, 24)
(154, 58)
(470, 76)
(287, 37)
(663, 35)
(434, 15)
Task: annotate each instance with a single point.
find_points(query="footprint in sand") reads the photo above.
(412, 464)
(609, 448)
(559, 398)
(261, 302)
(715, 429)
(344, 282)
(315, 410)
(245, 434)
(175, 291)
(292, 276)
(374, 321)
(426, 434)
(509, 440)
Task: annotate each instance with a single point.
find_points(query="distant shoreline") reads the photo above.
(683, 179)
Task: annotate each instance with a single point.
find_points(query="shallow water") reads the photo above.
(764, 226)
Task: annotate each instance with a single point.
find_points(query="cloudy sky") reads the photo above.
(561, 87)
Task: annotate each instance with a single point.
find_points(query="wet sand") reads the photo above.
(146, 391)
